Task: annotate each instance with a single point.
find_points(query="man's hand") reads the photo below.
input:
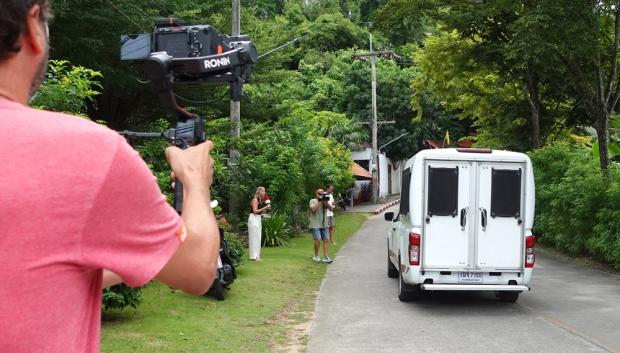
(192, 166)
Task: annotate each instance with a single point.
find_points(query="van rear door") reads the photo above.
(446, 236)
(499, 216)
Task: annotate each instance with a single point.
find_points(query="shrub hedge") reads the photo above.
(576, 209)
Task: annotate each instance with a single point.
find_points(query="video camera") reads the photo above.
(197, 54)
(324, 196)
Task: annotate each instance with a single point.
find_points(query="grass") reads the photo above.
(259, 314)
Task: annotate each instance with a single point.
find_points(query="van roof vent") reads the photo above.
(474, 150)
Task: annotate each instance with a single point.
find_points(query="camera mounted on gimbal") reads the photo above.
(197, 55)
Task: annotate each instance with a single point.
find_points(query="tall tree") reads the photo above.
(588, 48)
(551, 46)
(506, 36)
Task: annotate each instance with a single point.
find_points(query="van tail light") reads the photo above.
(414, 249)
(530, 257)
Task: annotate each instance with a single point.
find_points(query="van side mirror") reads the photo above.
(388, 216)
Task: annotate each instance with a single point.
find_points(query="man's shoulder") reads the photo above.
(46, 125)
(313, 202)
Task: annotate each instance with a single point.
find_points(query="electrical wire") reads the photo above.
(282, 46)
(129, 18)
(161, 8)
(200, 102)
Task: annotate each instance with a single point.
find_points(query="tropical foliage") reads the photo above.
(505, 74)
(576, 210)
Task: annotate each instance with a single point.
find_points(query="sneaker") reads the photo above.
(327, 260)
(316, 259)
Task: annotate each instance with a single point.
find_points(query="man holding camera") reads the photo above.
(318, 224)
(80, 210)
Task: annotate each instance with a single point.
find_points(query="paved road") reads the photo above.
(570, 309)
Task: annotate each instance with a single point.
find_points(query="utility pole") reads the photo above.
(235, 114)
(374, 152)
(375, 156)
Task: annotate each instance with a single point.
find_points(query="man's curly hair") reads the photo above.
(13, 23)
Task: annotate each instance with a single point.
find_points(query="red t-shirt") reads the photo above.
(74, 198)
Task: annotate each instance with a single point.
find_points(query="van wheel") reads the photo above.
(392, 271)
(407, 292)
(508, 296)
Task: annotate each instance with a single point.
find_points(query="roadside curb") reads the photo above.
(386, 206)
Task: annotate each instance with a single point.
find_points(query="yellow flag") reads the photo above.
(446, 139)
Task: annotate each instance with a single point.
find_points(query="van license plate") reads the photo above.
(470, 277)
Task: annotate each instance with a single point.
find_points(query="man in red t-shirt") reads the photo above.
(79, 209)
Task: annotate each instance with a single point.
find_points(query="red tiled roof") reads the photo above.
(465, 143)
(360, 172)
(433, 144)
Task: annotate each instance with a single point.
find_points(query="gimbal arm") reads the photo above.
(158, 69)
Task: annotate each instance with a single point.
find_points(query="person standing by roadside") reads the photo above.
(258, 206)
(318, 224)
(329, 190)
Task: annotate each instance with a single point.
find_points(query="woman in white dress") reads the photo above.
(257, 208)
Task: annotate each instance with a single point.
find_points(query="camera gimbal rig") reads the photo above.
(193, 55)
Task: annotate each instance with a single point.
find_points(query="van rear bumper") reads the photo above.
(485, 287)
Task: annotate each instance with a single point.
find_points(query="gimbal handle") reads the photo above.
(188, 132)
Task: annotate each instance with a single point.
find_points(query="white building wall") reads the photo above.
(397, 175)
(361, 155)
(387, 173)
(383, 175)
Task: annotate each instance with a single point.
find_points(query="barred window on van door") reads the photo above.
(506, 193)
(443, 191)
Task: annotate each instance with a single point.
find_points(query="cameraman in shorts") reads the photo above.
(318, 224)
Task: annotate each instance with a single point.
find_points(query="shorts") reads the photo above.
(319, 234)
(330, 221)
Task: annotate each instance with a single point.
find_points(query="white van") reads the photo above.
(465, 223)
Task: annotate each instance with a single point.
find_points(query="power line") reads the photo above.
(282, 46)
(201, 102)
(160, 7)
(129, 18)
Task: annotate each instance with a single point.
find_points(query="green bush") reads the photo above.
(276, 230)
(605, 240)
(235, 247)
(298, 221)
(121, 296)
(576, 209)
(67, 88)
(291, 158)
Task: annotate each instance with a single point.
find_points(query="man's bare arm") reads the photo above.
(315, 207)
(110, 279)
(192, 267)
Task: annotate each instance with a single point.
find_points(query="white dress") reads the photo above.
(254, 235)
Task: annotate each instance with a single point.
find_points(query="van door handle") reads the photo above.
(483, 218)
(464, 212)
